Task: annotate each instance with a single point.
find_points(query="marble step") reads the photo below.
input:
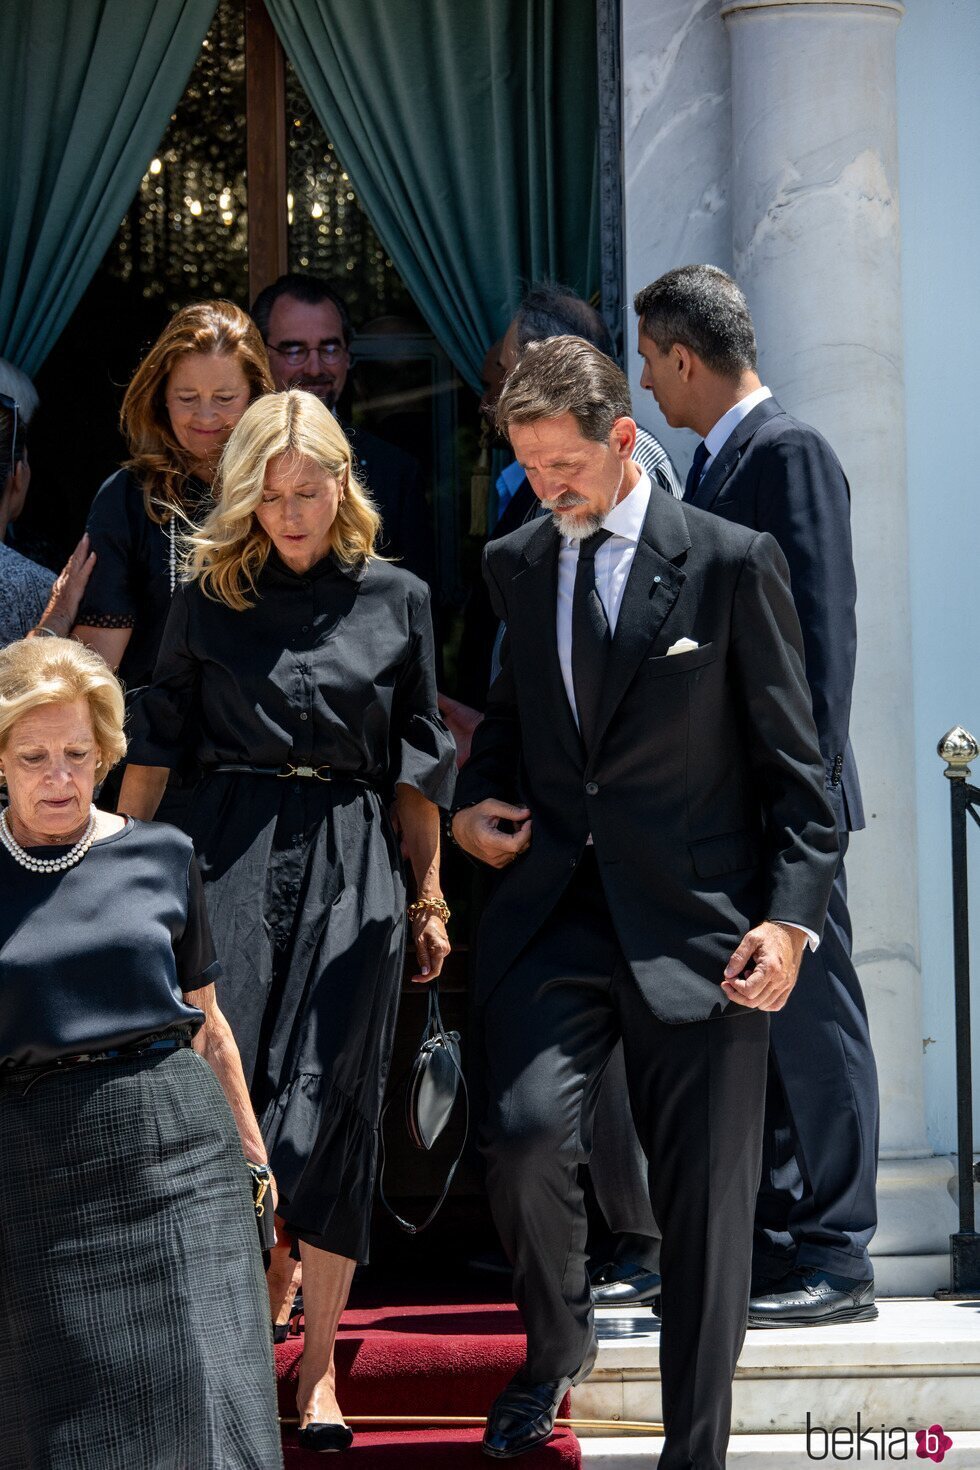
(917, 1365)
(767, 1452)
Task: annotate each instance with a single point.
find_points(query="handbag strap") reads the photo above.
(433, 1028)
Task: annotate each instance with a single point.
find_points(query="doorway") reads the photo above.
(243, 185)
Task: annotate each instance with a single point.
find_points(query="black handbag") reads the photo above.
(262, 1200)
(431, 1084)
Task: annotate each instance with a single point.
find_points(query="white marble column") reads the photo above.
(676, 164)
(816, 249)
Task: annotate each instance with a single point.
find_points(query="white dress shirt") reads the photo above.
(612, 566)
(613, 561)
(729, 422)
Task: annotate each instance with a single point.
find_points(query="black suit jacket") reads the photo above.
(778, 475)
(394, 480)
(704, 793)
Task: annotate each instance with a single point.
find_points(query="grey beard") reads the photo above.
(575, 528)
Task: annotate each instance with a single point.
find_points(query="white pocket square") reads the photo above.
(683, 645)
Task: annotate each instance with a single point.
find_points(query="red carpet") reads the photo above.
(418, 1360)
(432, 1449)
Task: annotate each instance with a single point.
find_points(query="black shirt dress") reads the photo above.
(331, 670)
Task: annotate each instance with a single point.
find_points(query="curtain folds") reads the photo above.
(88, 90)
(468, 129)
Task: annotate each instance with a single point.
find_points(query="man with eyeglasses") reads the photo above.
(307, 331)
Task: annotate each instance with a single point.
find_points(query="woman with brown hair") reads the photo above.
(185, 398)
(297, 668)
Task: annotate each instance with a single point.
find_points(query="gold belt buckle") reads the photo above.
(311, 773)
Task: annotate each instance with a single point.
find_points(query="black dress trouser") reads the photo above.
(697, 1094)
(817, 1203)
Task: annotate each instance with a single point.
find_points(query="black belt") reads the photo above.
(84, 1059)
(287, 772)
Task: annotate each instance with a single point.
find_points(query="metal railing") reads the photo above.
(959, 749)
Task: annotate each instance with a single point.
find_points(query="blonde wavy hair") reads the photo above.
(229, 549)
(207, 328)
(41, 671)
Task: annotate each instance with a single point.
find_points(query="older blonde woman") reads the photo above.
(131, 1293)
(297, 667)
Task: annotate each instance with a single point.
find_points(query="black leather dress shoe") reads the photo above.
(326, 1437)
(524, 1414)
(810, 1297)
(624, 1284)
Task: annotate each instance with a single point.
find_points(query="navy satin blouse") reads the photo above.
(100, 955)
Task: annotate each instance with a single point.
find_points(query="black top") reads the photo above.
(334, 666)
(100, 955)
(130, 582)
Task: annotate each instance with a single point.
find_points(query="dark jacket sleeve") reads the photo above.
(493, 769)
(804, 503)
(165, 716)
(800, 830)
(413, 533)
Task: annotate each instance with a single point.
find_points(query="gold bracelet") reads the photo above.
(437, 906)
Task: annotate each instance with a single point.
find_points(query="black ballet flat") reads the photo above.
(326, 1437)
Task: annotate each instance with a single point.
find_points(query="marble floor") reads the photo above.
(916, 1366)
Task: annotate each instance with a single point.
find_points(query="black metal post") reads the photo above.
(964, 1247)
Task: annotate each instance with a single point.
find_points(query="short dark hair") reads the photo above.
(703, 309)
(565, 375)
(310, 290)
(549, 310)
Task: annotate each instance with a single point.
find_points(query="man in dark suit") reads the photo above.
(648, 781)
(761, 468)
(306, 328)
(626, 1247)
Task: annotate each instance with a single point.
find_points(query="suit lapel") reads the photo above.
(730, 453)
(651, 592)
(534, 590)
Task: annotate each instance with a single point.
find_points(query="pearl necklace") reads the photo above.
(173, 554)
(47, 865)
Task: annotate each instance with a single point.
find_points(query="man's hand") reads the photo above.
(477, 830)
(776, 951)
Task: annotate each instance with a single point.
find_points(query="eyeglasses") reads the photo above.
(296, 353)
(10, 404)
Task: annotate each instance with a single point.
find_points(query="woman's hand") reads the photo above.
(431, 946)
(69, 588)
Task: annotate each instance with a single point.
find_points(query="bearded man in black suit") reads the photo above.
(307, 331)
(759, 467)
(647, 779)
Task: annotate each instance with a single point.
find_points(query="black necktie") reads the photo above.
(694, 473)
(590, 637)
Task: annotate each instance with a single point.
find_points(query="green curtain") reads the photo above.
(88, 89)
(469, 131)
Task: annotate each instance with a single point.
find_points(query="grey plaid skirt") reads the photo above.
(134, 1321)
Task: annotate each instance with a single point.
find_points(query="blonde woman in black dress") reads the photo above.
(297, 668)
